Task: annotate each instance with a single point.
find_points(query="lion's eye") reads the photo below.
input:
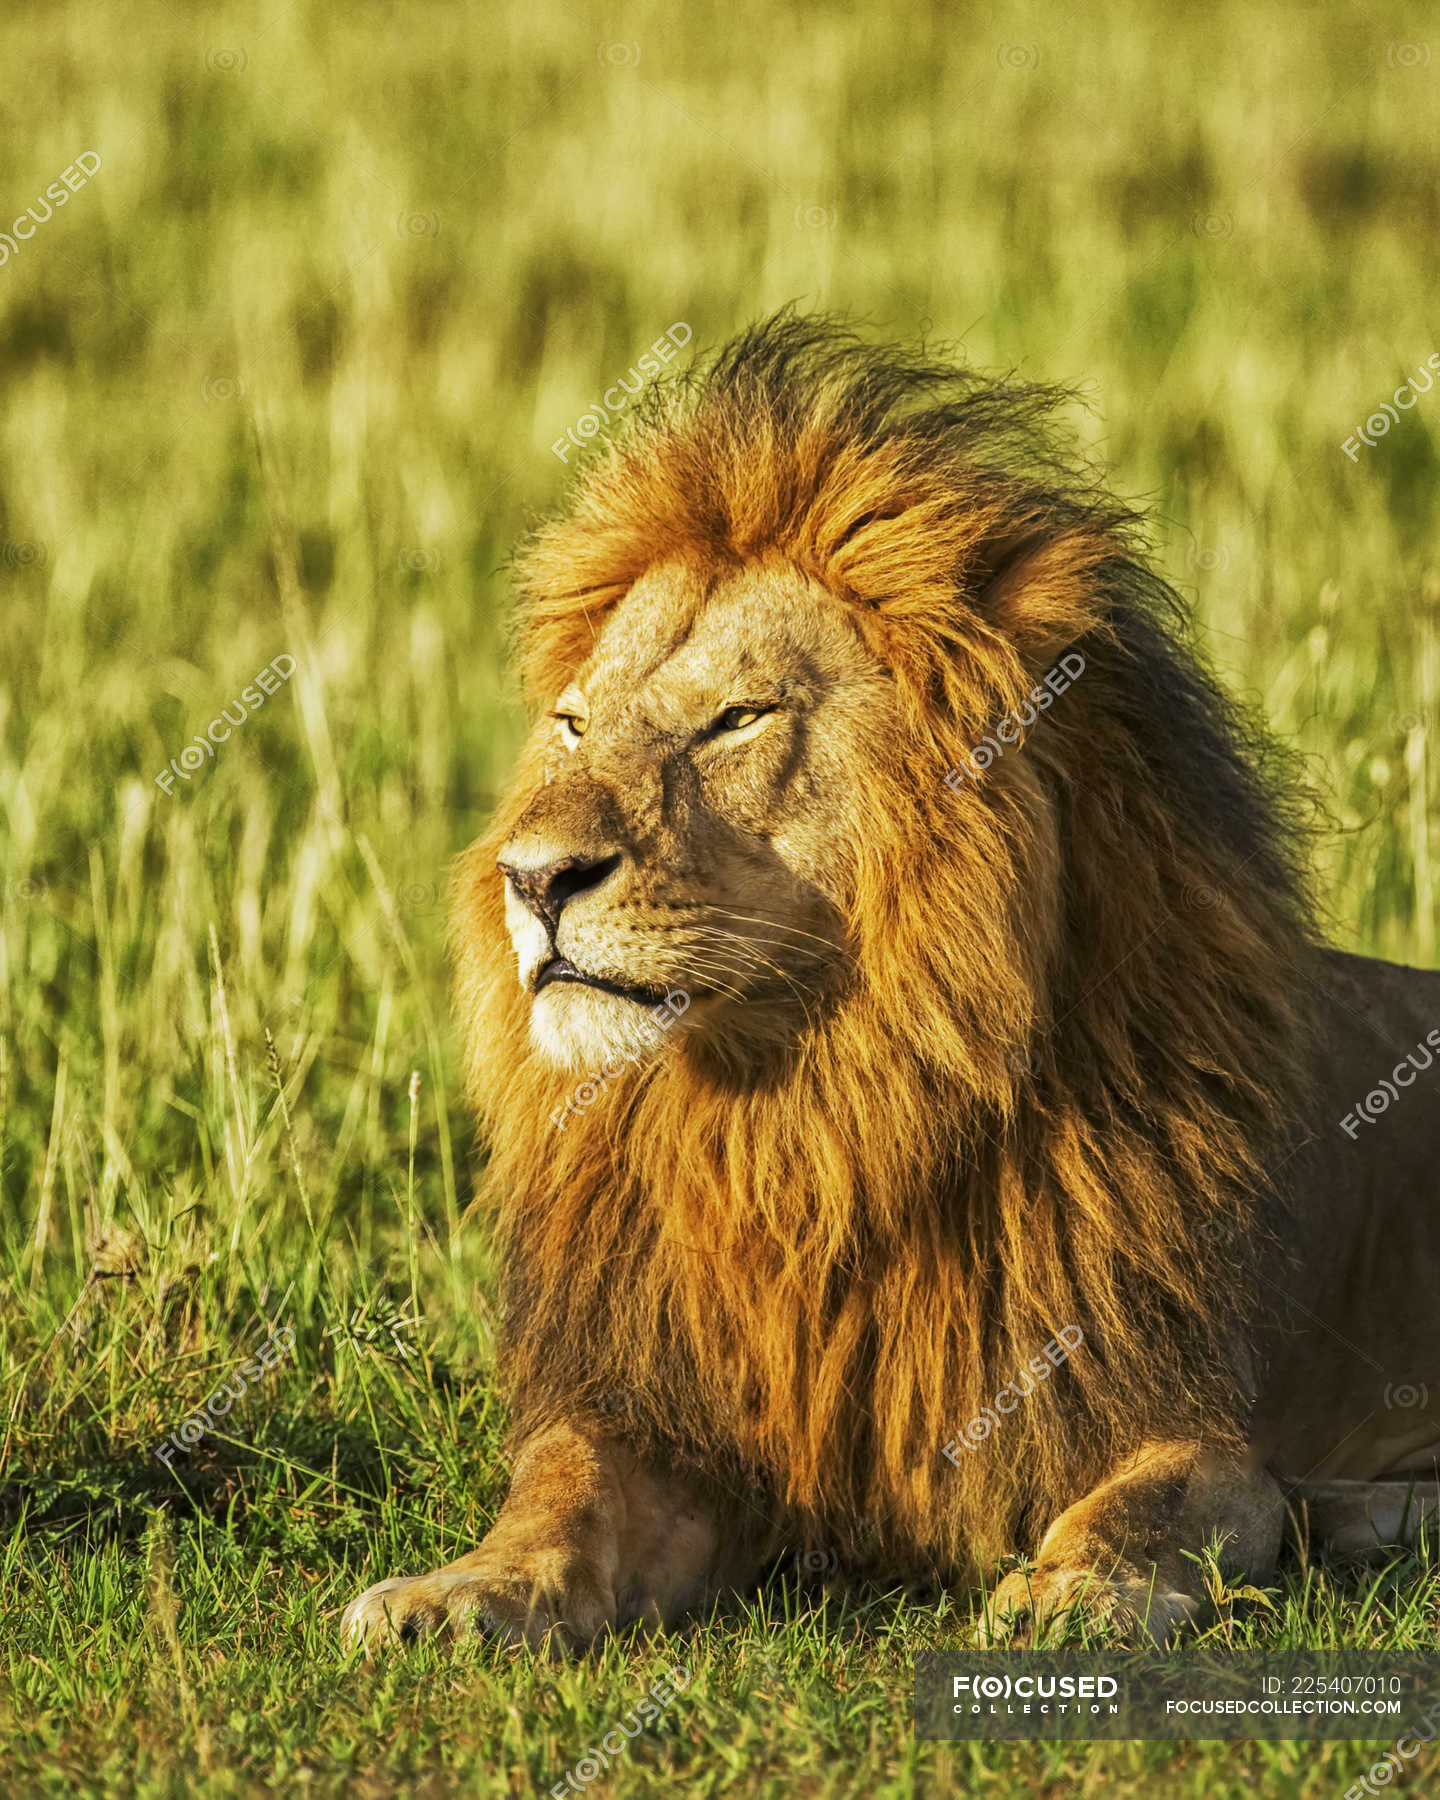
(572, 726)
(736, 718)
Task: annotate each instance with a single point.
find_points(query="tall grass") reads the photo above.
(283, 379)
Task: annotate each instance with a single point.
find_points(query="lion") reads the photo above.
(925, 1124)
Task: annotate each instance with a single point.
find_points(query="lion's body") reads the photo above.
(1350, 1387)
(989, 1164)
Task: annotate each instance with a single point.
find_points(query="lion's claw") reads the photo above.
(455, 1603)
(1029, 1602)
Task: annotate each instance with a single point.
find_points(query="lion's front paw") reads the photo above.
(512, 1607)
(1030, 1602)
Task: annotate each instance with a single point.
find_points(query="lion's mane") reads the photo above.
(1074, 1045)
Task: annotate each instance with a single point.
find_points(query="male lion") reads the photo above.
(923, 1122)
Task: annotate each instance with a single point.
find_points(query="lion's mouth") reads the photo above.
(560, 968)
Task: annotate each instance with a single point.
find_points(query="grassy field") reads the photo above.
(281, 380)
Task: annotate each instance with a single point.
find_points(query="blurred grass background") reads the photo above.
(405, 249)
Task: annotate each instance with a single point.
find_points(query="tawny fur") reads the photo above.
(1067, 1045)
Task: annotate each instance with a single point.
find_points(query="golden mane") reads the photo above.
(1074, 1037)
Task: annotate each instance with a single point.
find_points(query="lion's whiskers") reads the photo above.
(828, 944)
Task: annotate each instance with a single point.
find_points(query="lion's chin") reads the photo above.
(588, 1032)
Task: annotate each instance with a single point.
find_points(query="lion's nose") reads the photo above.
(548, 887)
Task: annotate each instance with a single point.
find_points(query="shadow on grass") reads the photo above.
(328, 1476)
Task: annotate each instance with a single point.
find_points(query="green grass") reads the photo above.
(404, 249)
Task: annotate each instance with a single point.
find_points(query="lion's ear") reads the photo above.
(1043, 586)
(1037, 582)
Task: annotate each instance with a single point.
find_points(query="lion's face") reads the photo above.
(690, 824)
